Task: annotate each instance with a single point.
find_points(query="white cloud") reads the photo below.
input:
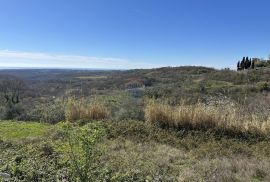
(10, 58)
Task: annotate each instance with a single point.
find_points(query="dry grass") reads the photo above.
(200, 116)
(76, 110)
(160, 162)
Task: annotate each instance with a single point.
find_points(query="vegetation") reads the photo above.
(165, 124)
(201, 116)
(14, 130)
(247, 63)
(132, 151)
(83, 153)
(77, 110)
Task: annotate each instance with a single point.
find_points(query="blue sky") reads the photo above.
(132, 33)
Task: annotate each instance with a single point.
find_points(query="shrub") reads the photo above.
(51, 112)
(263, 86)
(11, 111)
(84, 153)
(129, 108)
(47, 149)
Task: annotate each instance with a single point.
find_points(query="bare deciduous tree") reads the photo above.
(11, 88)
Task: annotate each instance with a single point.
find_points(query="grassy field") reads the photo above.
(133, 151)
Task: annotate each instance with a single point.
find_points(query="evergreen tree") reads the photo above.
(238, 66)
(246, 62)
(242, 64)
(253, 64)
(249, 63)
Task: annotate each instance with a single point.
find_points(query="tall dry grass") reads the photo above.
(77, 110)
(201, 116)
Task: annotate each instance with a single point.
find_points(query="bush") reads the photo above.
(51, 112)
(130, 108)
(263, 86)
(11, 111)
(84, 153)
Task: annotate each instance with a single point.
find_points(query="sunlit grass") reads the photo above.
(12, 130)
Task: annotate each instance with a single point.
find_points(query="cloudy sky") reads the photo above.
(125, 34)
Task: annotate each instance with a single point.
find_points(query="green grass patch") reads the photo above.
(13, 130)
(218, 84)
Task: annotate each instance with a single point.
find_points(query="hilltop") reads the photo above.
(164, 124)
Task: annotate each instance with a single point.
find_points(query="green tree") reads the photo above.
(243, 63)
(246, 63)
(238, 65)
(253, 64)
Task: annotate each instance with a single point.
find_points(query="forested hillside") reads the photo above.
(165, 124)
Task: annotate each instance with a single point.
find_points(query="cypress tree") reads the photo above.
(242, 64)
(252, 64)
(246, 62)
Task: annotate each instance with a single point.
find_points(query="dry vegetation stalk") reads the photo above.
(201, 116)
(76, 110)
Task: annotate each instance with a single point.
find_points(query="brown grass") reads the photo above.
(76, 110)
(200, 116)
(202, 160)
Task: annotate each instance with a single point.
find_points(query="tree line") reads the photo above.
(246, 63)
(252, 63)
